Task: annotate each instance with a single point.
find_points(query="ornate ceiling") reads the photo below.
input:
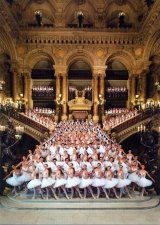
(99, 13)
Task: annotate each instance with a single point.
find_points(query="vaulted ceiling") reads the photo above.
(104, 13)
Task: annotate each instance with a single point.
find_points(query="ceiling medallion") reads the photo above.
(121, 2)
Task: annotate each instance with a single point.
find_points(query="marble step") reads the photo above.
(21, 202)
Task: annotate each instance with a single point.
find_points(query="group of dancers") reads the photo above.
(79, 159)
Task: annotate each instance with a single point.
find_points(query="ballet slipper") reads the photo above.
(130, 196)
(93, 197)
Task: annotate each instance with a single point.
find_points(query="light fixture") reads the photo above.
(2, 84)
(21, 95)
(137, 96)
(101, 99)
(59, 98)
(38, 16)
(121, 17)
(157, 85)
(80, 17)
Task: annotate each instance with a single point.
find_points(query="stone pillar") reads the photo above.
(129, 84)
(58, 90)
(64, 97)
(95, 99)
(143, 85)
(133, 89)
(16, 88)
(28, 91)
(102, 92)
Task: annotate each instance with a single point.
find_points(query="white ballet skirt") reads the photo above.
(85, 182)
(47, 182)
(59, 182)
(25, 177)
(144, 182)
(123, 183)
(110, 183)
(13, 181)
(98, 182)
(72, 182)
(34, 183)
(134, 177)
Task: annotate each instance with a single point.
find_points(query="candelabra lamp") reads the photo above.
(9, 137)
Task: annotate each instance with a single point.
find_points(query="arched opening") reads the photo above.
(44, 86)
(116, 85)
(153, 78)
(6, 76)
(80, 79)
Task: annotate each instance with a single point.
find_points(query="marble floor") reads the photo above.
(79, 217)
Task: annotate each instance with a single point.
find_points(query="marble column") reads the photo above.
(143, 85)
(64, 97)
(133, 89)
(102, 92)
(28, 92)
(58, 90)
(95, 99)
(16, 88)
(129, 85)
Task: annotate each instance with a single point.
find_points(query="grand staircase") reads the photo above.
(25, 202)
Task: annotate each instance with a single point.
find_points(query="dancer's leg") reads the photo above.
(98, 192)
(91, 191)
(105, 192)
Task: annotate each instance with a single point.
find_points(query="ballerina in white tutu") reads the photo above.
(25, 176)
(60, 182)
(122, 182)
(47, 181)
(13, 181)
(99, 181)
(110, 181)
(35, 183)
(86, 181)
(73, 181)
(133, 175)
(143, 181)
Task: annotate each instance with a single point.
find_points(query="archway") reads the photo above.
(6, 76)
(79, 79)
(44, 86)
(116, 84)
(153, 78)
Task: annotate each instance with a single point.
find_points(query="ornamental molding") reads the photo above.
(69, 38)
(146, 29)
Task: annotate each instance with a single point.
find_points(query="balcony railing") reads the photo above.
(140, 117)
(13, 113)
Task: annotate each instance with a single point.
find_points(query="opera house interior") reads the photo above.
(79, 111)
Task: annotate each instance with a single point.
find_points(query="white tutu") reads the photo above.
(25, 177)
(134, 177)
(34, 183)
(85, 182)
(110, 183)
(46, 182)
(98, 182)
(59, 182)
(72, 182)
(123, 182)
(144, 182)
(13, 181)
